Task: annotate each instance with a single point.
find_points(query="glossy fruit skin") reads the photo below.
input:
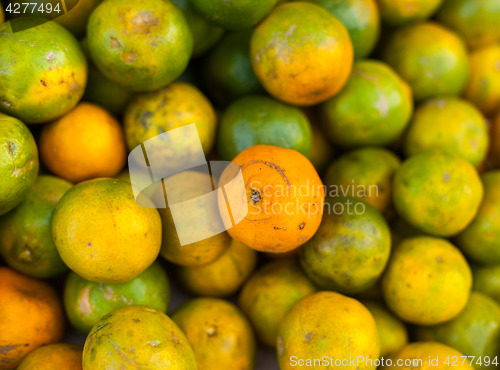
(219, 333)
(31, 314)
(328, 320)
(143, 45)
(233, 14)
(39, 81)
(26, 235)
(350, 249)
(373, 108)
(483, 89)
(361, 18)
(222, 277)
(176, 105)
(449, 124)
(84, 144)
(486, 280)
(474, 332)
(255, 120)
(205, 34)
(284, 197)
(402, 12)
(156, 342)
(115, 238)
(227, 69)
(270, 293)
(18, 162)
(476, 21)
(61, 356)
(480, 240)
(365, 174)
(424, 351)
(432, 59)
(427, 281)
(86, 302)
(437, 193)
(281, 49)
(392, 332)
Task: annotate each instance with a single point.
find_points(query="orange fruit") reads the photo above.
(31, 316)
(60, 356)
(85, 143)
(301, 53)
(285, 199)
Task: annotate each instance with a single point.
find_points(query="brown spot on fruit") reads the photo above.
(129, 57)
(302, 225)
(43, 82)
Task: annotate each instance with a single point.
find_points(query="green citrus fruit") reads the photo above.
(227, 70)
(233, 14)
(474, 332)
(427, 281)
(219, 333)
(475, 20)
(18, 162)
(321, 152)
(270, 293)
(451, 125)
(480, 241)
(301, 53)
(401, 12)
(205, 34)
(392, 332)
(486, 280)
(38, 80)
(361, 18)
(365, 174)
(134, 335)
(350, 249)
(86, 302)
(373, 108)
(437, 192)
(141, 44)
(483, 89)
(257, 120)
(432, 59)
(328, 321)
(26, 235)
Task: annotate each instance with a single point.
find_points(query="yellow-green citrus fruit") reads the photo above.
(451, 125)
(219, 333)
(102, 234)
(486, 280)
(328, 321)
(474, 332)
(227, 70)
(361, 18)
(135, 335)
(270, 293)
(18, 162)
(427, 281)
(432, 59)
(233, 14)
(483, 89)
(141, 44)
(26, 235)
(255, 120)
(392, 332)
(401, 12)
(40, 81)
(475, 20)
(301, 53)
(365, 174)
(437, 192)
(480, 241)
(373, 108)
(205, 34)
(86, 302)
(350, 249)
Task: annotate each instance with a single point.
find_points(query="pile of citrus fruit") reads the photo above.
(365, 232)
